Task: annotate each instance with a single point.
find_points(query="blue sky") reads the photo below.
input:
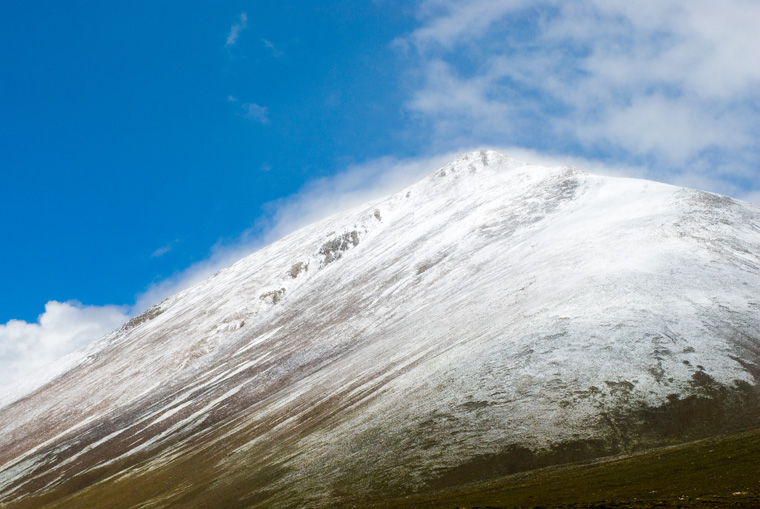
(146, 144)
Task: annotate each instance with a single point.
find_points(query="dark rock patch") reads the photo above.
(273, 297)
(517, 458)
(333, 249)
(145, 317)
(297, 269)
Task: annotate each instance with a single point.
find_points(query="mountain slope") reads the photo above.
(492, 318)
(710, 473)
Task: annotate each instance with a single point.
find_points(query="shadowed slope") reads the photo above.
(718, 472)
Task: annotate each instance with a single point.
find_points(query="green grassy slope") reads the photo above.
(719, 472)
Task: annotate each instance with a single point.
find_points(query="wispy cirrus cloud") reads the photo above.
(447, 23)
(250, 111)
(254, 112)
(667, 84)
(161, 251)
(271, 47)
(236, 28)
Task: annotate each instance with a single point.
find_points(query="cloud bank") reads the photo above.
(665, 84)
(61, 329)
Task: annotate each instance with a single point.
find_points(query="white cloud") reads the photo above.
(251, 111)
(691, 178)
(237, 27)
(464, 109)
(451, 21)
(595, 167)
(161, 251)
(668, 82)
(351, 187)
(61, 329)
(751, 197)
(255, 112)
(706, 47)
(670, 128)
(270, 46)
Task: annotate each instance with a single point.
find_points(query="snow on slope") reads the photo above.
(493, 311)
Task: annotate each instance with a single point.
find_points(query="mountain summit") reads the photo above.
(492, 318)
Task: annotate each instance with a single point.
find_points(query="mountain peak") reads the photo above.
(482, 158)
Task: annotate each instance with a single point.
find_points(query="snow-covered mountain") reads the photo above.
(494, 317)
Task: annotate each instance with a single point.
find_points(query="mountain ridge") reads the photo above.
(494, 317)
